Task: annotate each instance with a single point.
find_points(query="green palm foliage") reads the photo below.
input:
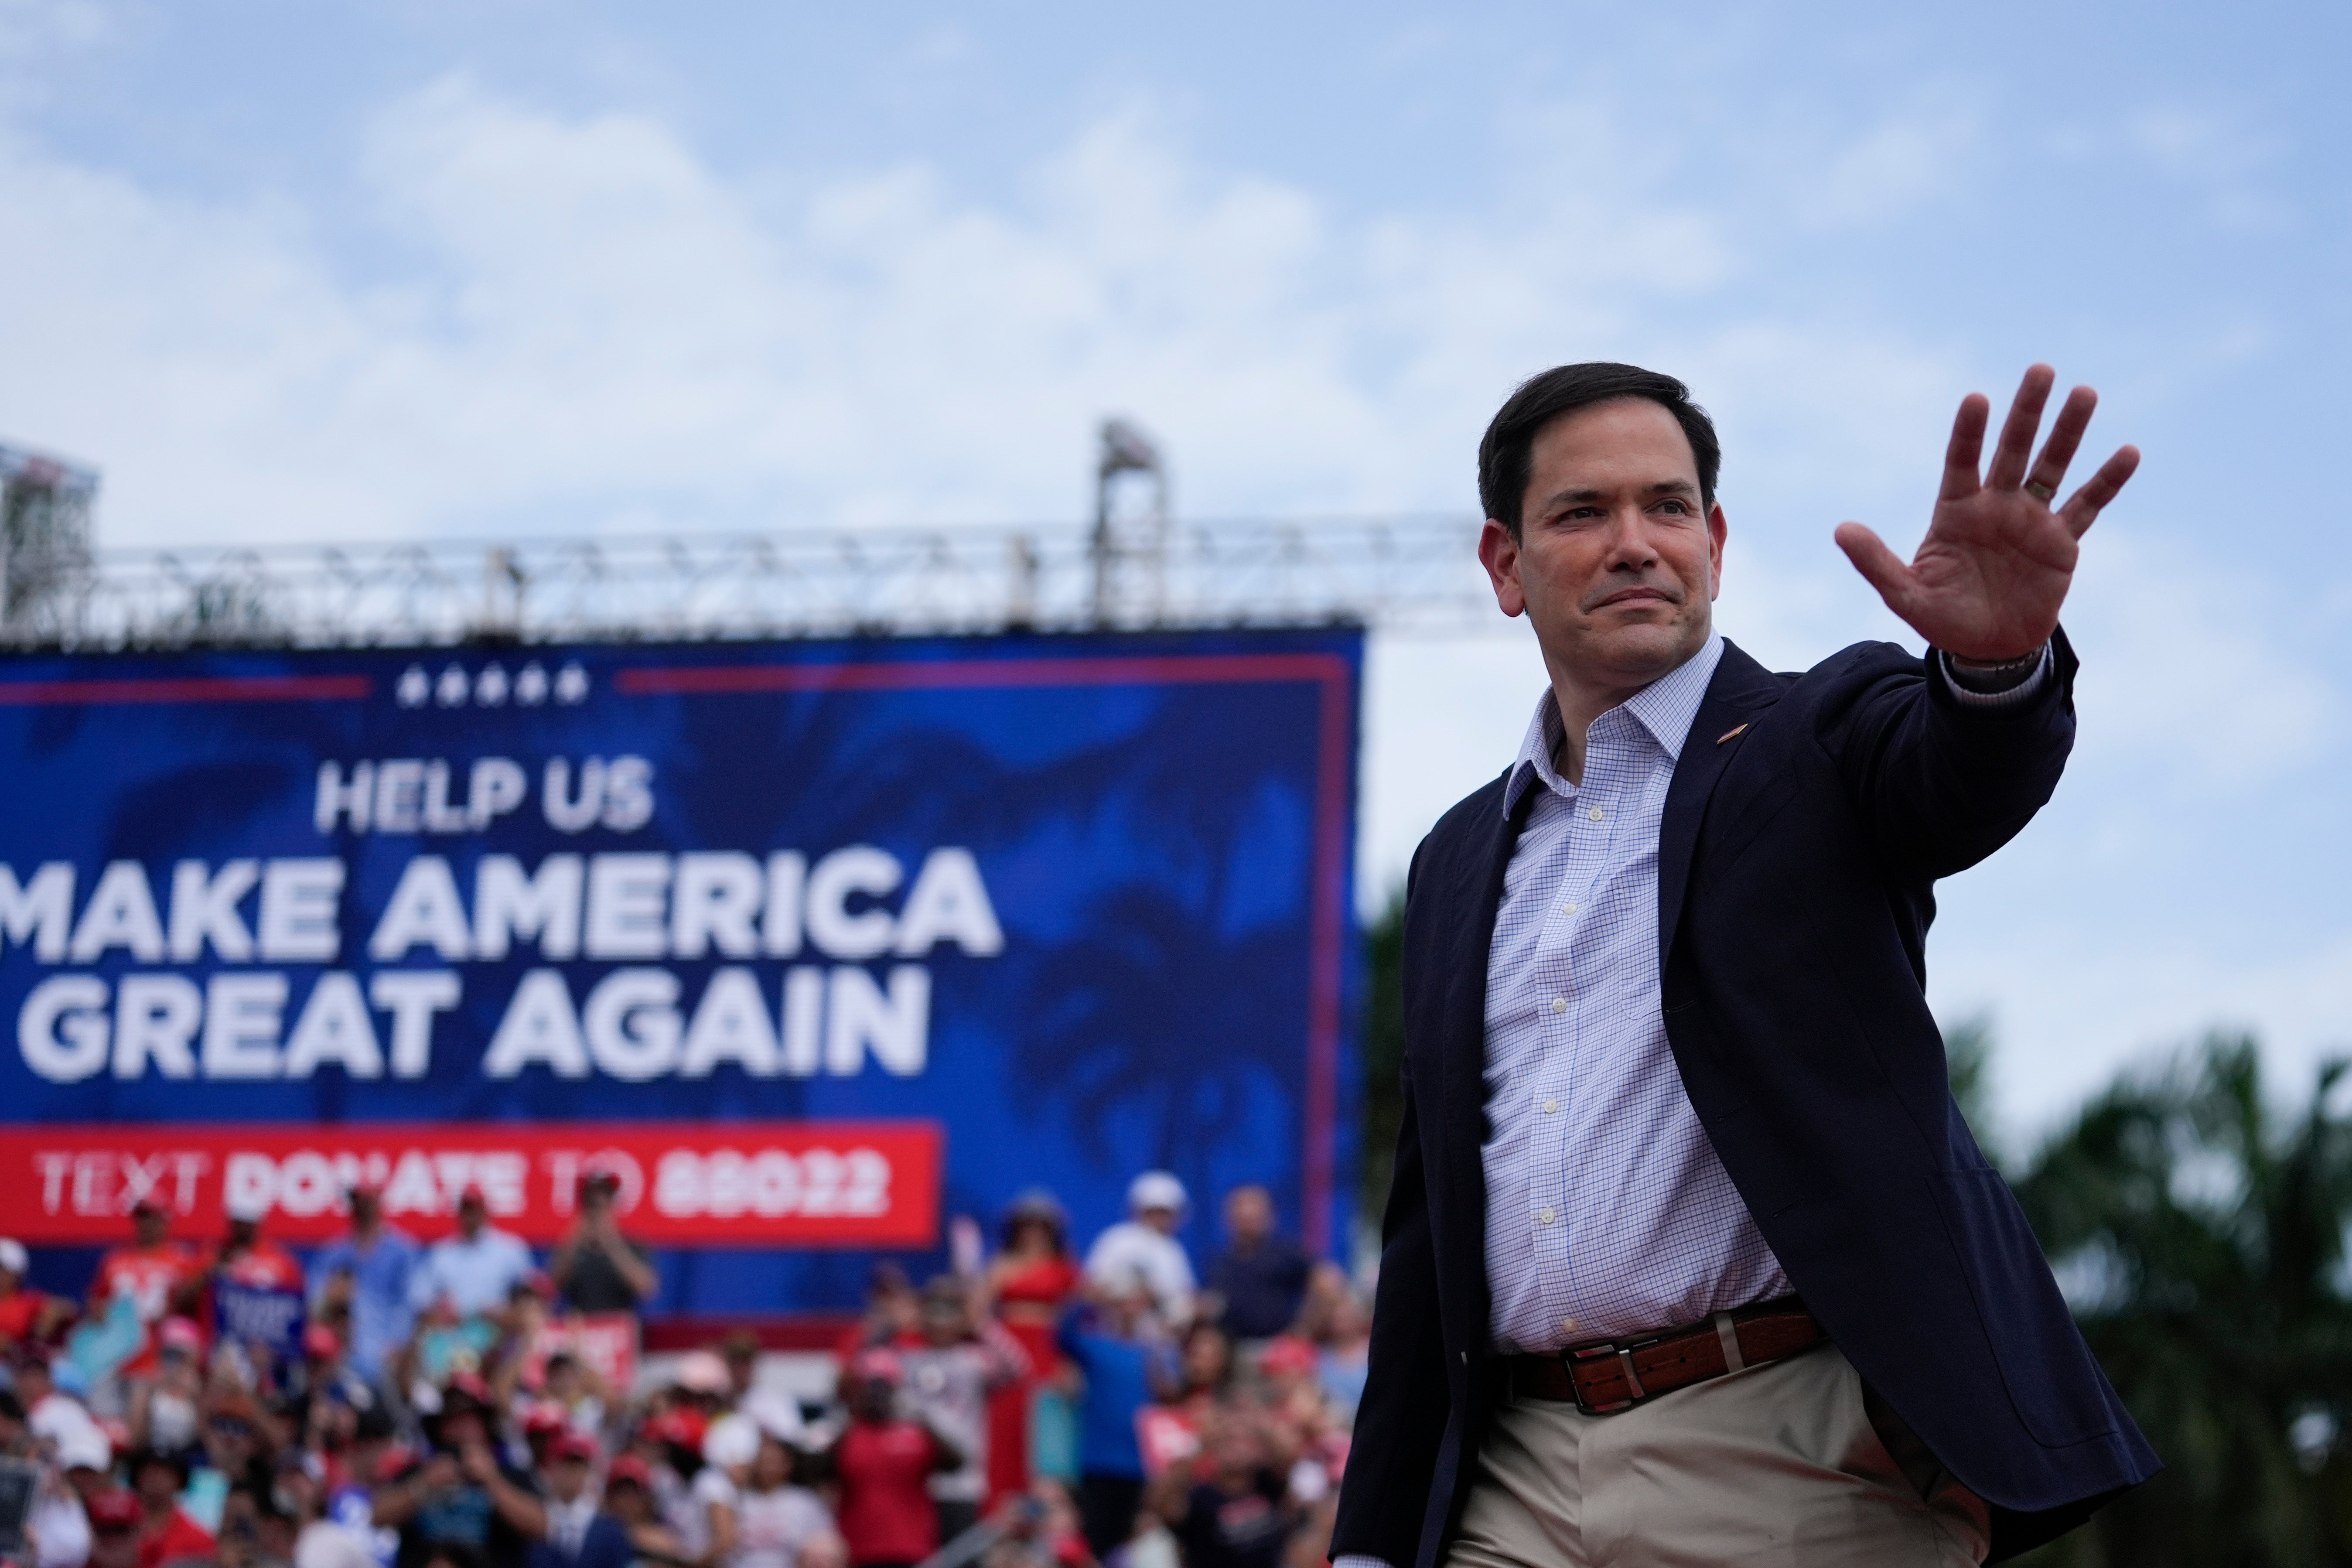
(2200, 1232)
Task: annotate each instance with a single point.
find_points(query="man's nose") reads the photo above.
(1629, 541)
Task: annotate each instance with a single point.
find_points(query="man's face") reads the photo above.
(568, 1478)
(150, 1226)
(1162, 1220)
(365, 1208)
(470, 1215)
(1617, 562)
(1249, 1214)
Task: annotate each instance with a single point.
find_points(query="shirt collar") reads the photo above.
(1665, 708)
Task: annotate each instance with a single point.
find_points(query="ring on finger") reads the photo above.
(2045, 493)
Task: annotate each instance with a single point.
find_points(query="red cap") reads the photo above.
(180, 1333)
(682, 1427)
(472, 1194)
(544, 1420)
(117, 1509)
(877, 1366)
(628, 1469)
(320, 1343)
(570, 1445)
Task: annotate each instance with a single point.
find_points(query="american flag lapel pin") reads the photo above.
(1727, 735)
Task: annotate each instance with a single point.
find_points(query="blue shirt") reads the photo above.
(382, 1318)
(1118, 1384)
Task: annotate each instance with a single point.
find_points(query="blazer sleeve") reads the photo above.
(1939, 785)
(1401, 1419)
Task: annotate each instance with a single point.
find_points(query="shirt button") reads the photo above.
(1560, 1004)
(1544, 1216)
(1567, 908)
(1596, 813)
(1550, 1106)
(1568, 1325)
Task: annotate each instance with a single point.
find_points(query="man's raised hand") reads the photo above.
(1990, 577)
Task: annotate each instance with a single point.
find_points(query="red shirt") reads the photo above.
(182, 1537)
(887, 1514)
(148, 1277)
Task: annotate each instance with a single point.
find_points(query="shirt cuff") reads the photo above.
(2024, 689)
(1358, 1560)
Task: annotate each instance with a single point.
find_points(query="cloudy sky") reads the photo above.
(287, 271)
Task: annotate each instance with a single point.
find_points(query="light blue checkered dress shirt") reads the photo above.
(1608, 1213)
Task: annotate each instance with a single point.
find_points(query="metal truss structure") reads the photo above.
(1393, 572)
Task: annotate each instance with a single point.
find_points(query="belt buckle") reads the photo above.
(1624, 1353)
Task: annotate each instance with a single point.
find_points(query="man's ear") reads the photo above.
(1716, 532)
(1498, 553)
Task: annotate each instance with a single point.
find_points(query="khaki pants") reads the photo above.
(1778, 1464)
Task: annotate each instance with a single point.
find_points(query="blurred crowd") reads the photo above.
(383, 1403)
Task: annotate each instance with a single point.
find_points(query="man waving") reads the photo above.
(1690, 1258)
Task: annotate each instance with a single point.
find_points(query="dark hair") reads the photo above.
(1503, 453)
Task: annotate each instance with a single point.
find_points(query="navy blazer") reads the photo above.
(1807, 821)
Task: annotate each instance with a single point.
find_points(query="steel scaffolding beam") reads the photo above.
(1398, 572)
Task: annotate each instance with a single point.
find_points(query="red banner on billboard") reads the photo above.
(747, 1183)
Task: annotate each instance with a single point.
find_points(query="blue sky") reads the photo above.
(289, 271)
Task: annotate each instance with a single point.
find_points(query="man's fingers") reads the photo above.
(2065, 436)
(2010, 454)
(1880, 567)
(1966, 446)
(2084, 506)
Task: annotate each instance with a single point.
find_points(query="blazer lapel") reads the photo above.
(1478, 893)
(1741, 686)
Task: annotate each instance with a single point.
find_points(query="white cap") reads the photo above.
(1155, 1190)
(246, 1208)
(85, 1448)
(699, 1372)
(13, 1257)
(732, 1440)
(777, 1414)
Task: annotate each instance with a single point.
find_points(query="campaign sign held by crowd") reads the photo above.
(812, 945)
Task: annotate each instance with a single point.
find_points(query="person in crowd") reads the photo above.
(1144, 1245)
(369, 1276)
(160, 1275)
(965, 1357)
(1343, 1349)
(1029, 1281)
(166, 1410)
(1257, 1284)
(595, 1267)
(893, 1316)
(476, 1270)
(85, 1460)
(629, 1498)
(459, 1492)
(580, 1534)
(166, 1533)
(57, 1527)
(1204, 1373)
(248, 1256)
(776, 1519)
(885, 1459)
(50, 1413)
(1126, 1366)
(26, 1315)
(1240, 1512)
(298, 1493)
(117, 1521)
(770, 1409)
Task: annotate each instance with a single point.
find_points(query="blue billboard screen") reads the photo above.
(819, 944)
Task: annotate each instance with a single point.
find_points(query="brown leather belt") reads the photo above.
(1603, 1378)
